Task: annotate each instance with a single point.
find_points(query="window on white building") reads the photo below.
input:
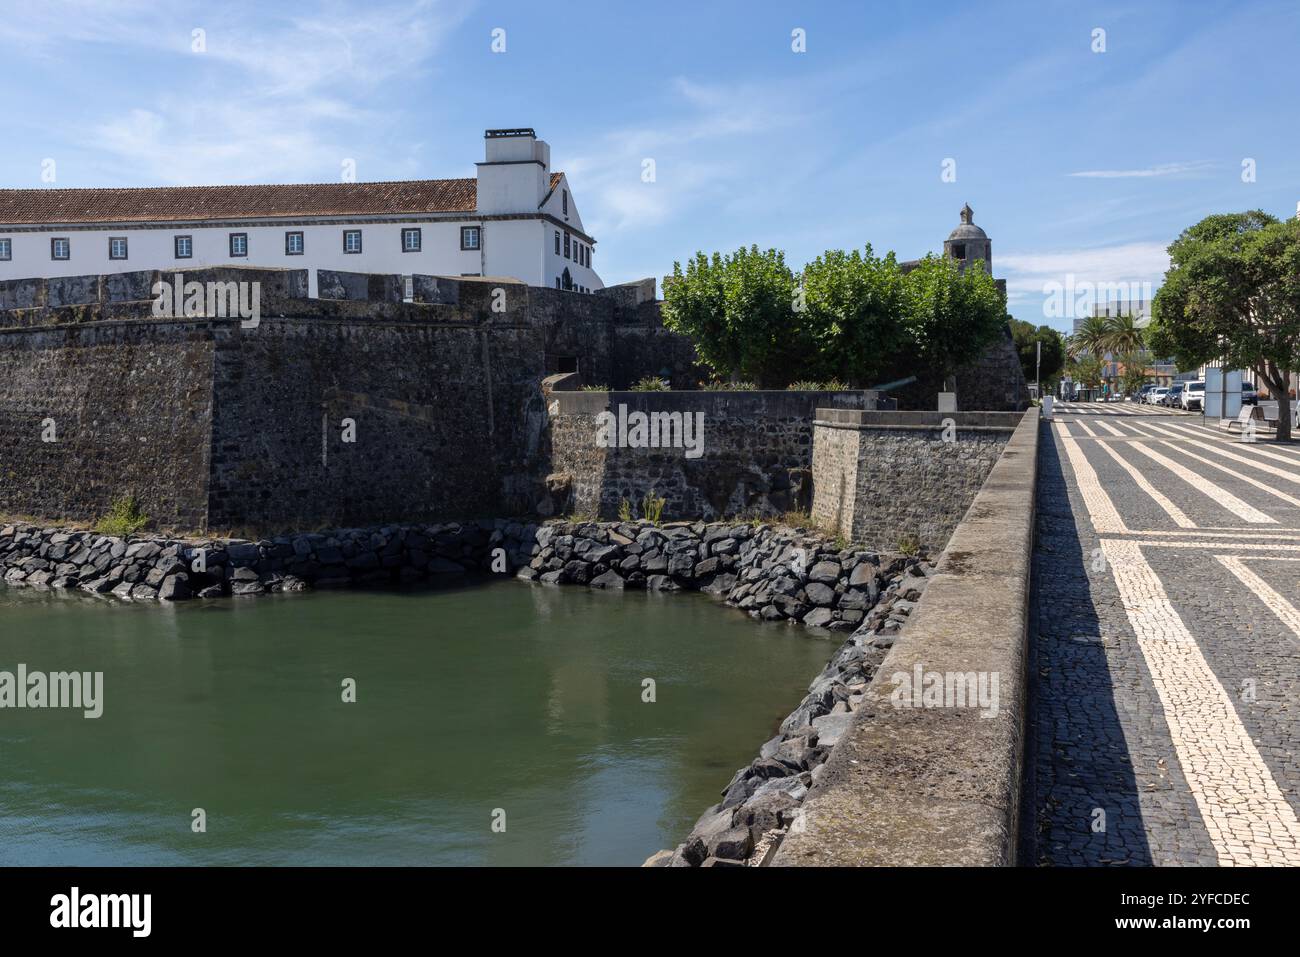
(410, 240)
(557, 242)
(6, 249)
(352, 240)
(60, 248)
(469, 237)
(238, 245)
(564, 196)
(293, 244)
(117, 247)
(566, 246)
(184, 247)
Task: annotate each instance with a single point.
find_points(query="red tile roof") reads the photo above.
(185, 203)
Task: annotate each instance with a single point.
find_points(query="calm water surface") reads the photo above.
(507, 695)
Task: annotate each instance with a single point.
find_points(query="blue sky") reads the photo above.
(1076, 162)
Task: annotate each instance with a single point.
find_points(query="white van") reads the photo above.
(1193, 396)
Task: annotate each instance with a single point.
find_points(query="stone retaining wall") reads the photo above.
(753, 458)
(921, 781)
(884, 478)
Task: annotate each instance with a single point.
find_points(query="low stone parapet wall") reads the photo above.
(929, 771)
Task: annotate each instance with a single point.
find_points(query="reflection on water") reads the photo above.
(510, 696)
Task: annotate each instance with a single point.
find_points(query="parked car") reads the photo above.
(1249, 396)
(1173, 398)
(1193, 395)
(1144, 392)
(1157, 396)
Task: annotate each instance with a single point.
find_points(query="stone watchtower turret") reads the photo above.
(968, 243)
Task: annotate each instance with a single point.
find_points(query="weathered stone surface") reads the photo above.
(175, 588)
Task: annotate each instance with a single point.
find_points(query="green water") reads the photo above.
(506, 696)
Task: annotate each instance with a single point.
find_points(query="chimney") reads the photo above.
(515, 172)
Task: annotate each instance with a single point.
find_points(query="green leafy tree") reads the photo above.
(852, 317)
(1232, 293)
(1086, 370)
(1133, 372)
(739, 311)
(851, 305)
(1027, 338)
(950, 316)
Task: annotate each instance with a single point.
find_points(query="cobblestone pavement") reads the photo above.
(1164, 719)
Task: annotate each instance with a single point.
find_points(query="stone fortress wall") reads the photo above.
(365, 407)
(213, 425)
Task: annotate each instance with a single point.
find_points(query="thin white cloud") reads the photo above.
(1123, 271)
(692, 156)
(307, 90)
(1162, 169)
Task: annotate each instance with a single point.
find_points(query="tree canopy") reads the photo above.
(1027, 338)
(852, 316)
(1232, 293)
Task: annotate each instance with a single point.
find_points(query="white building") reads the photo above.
(515, 219)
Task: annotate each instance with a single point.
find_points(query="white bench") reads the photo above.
(1247, 413)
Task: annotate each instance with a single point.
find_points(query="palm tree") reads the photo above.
(1090, 338)
(1126, 340)
(1123, 336)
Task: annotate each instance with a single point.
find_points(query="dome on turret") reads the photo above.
(967, 229)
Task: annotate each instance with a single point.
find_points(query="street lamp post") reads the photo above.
(1038, 371)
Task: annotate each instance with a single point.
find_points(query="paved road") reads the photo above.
(1165, 713)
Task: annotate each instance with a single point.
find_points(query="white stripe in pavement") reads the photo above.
(1221, 496)
(1145, 429)
(1245, 812)
(1249, 546)
(1225, 531)
(1100, 508)
(1274, 454)
(1220, 448)
(1173, 511)
(1240, 477)
(1109, 428)
(1285, 611)
(1087, 431)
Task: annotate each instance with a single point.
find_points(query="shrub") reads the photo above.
(652, 506)
(809, 385)
(719, 386)
(651, 384)
(124, 518)
(908, 545)
(624, 510)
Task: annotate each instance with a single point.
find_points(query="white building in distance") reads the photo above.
(514, 219)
